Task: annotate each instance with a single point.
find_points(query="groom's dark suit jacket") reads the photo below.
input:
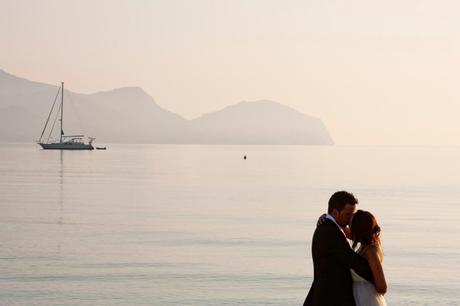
(332, 260)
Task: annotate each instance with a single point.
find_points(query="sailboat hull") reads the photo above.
(66, 146)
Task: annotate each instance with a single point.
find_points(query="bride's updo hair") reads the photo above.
(364, 229)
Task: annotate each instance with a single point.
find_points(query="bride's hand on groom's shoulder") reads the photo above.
(321, 219)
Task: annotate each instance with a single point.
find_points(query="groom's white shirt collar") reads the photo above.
(330, 217)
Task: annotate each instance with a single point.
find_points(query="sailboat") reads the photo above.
(65, 142)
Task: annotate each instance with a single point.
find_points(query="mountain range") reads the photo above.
(130, 115)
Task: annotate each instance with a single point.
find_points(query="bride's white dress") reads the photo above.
(365, 293)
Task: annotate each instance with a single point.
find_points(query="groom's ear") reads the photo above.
(335, 213)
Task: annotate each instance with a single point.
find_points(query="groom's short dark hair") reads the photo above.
(339, 199)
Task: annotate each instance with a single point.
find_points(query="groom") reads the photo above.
(333, 257)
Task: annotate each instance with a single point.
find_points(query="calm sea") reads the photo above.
(199, 225)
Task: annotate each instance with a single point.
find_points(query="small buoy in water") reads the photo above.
(244, 157)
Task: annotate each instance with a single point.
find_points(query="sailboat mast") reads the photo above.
(62, 109)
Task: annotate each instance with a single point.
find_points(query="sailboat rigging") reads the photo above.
(65, 142)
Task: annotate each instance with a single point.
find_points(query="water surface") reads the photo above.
(199, 225)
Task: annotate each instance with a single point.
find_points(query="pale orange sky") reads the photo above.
(376, 72)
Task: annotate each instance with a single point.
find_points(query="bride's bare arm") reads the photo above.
(372, 255)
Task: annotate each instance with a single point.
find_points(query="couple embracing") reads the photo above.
(345, 275)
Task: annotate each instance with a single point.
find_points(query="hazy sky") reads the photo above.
(376, 72)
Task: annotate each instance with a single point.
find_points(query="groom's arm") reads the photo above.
(342, 251)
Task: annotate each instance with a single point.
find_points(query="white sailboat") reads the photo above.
(65, 142)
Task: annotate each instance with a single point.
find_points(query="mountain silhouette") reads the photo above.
(130, 115)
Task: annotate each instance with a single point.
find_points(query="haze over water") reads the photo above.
(198, 225)
(376, 72)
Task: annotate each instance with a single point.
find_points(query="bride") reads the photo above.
(365, 231)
